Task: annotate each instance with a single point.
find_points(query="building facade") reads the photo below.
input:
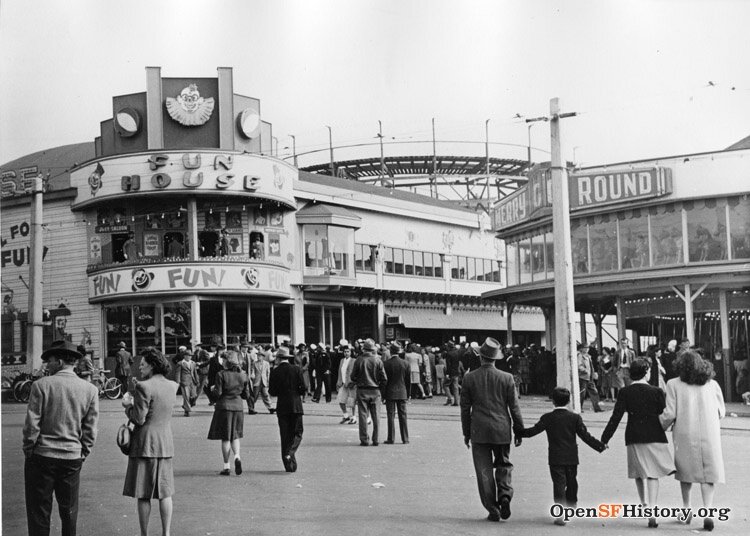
(663, 244)
(176, 225)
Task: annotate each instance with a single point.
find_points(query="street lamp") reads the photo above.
(487, 156)
(531, 122)
(330, 147)
(382, 160)
(276, 142)
(294, 148)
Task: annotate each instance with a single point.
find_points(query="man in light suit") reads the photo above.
(624, 356)
(489, 406)
(395, 394)
(259, 381)
(287, 385)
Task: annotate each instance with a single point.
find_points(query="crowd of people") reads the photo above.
(658, 390)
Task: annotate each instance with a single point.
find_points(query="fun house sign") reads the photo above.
(193, 278)
(585, 191)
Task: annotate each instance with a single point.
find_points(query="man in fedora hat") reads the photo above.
(369, 376)
(260, 370)
(288, 386)
(123, 362)
(488, 405)
(59, 432)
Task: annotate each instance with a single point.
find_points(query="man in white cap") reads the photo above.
(58, 435)
(346, 388)
(489, 405)
(123, 362)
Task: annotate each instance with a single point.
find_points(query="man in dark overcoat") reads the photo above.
(395, 395)
(287, 385)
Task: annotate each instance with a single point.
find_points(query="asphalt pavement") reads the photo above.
(427, 487)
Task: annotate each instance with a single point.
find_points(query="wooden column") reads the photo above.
(549, 327)
(689, 298)
(584, 335)
(509, 330)
(621, 334)
(726, 347)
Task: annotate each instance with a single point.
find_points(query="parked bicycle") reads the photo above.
(21, 386)
(110, 388)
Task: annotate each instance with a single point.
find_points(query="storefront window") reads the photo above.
(511, 258)
(634, 250)
(316, 249)
(739, 222)
(537, 257)
(237, 329)
(707, 230)
(212, 321)
(260, 323)
(524, 252)
(603, 235)
(579, 239)
(282, 322)
(313, 334)
(177, 331)
(119, 328)
(549, 247)
(147, 327)
(666, 235)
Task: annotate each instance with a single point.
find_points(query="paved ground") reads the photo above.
(428, 487)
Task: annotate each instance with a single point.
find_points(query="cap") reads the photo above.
(122, 345)
(490, 349)
(62, 349)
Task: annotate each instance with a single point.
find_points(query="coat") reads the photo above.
(695, 411)
(489, 406)
(287, 385)
(643, 403)
(261, 371)
(231, 387)
(124, 360)
(399, 377)
(187, 373)
(151, 413)
(562, 427)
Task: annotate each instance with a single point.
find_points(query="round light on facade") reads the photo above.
(127, 122)
(248, 123)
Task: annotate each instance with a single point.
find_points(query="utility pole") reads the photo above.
(434, 160)
(487, 158)
(382, 159)
(36, 287)
(567, 356)
(330, 148)
(294, 148)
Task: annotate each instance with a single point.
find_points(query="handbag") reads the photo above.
(123, 438)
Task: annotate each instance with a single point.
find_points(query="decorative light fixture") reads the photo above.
(127, 122)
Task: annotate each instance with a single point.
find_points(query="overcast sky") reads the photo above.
(648, 79)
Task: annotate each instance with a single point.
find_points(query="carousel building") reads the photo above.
(176, 225)
(663, 244)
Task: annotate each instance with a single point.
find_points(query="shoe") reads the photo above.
(364, 444)
(652, 524)
(406, 442)
(224, 472)
(448, 403)
(187, 414)
(388, 442)
(287, 463)
(560, 522)
(504, 508)
(689, 518)
(493, 516)
(237, 466)
(708, 524)
(598, 410)
(252, 412)
(316, 400)
(454, 404)
(352, 421)
(375, 443)
(344, 420)
(271, 410)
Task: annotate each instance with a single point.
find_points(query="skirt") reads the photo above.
(226, 425)
(649, 460)
(149, 478)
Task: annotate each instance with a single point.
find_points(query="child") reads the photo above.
(440, 375)
(562, 426)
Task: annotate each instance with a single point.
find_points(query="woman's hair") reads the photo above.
(638, 368)
(606, 350)
(693, 369)
(651, 350)
(156, 359)
(232, 360)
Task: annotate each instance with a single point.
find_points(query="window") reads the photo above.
(398, 261)
(257, 246)
(418, 263)
(511, 255)
(537, 257)
(341, 247)
(707, 230)
(524, 250)
(174, 245)
(549, 246)
(177, 326)
(739, 224)
(666, 235)
(370, 254)
(471, 269)
(428, 271)
(236, 322)
(634, 247)
(208, 244)
(316, 247)
(437, 262)
(359, 257)
(408, 262)
(388, 261)
(480, 269)
(454, 267)
(579, 246)
(603, 235)
(462, 268)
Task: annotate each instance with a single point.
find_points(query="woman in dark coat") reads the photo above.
(230, 388)
(649, 457)
(149, 474)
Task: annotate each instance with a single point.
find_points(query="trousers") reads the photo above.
(368, 401)
(493, 468)
(42, 477)
(564, 484)
(290, 433)
(259, 391)
(391, 406)
(587, 386)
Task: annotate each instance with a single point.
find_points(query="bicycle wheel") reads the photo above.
(22, 391)
(112, 388)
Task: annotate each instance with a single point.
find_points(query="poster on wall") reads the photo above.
(235, 244)
(274, 245)
(151, 245)
(259, 218)
(276, 219)
(95, 249)
(213, 221)
(234, 221)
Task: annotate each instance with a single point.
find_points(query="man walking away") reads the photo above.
(123, 362)
(59, 432)
(369, 375)
(489, 405)
(286, 383)
(398, 373)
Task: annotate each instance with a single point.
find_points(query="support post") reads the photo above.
(584, 335)
(567, 366)
(689, 327)
(193, 245)
(381, 318)
(726, 347)
(620, 304)
(36, 285)
(509, 330)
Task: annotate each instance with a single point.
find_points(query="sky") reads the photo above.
(647, 79)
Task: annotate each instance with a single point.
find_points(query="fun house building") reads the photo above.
(176, 225)
(663, 244)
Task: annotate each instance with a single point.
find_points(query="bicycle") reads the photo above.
(110, 388)
(21, 390)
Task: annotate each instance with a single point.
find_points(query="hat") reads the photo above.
(62, 349)
(283, 351)
(369, 345)
(301, 345)
(122, 345)
(245, 345)
(181, 348)
(313, 346)
(490, 349)
(395, 347)
(343, 342)
(474, 344)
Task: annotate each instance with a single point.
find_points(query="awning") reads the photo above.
(469, 319)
